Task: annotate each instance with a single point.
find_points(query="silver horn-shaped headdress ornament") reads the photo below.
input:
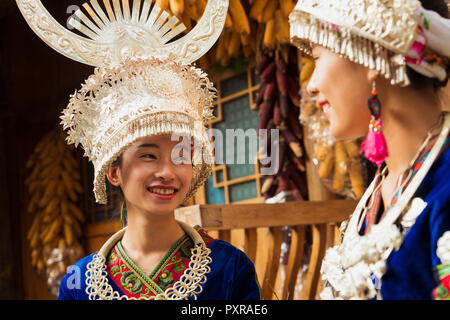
(125, 30)
(143, 85)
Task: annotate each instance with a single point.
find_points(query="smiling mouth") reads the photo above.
(322, 103)
(163, 191)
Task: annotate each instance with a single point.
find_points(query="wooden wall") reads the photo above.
(11, 284)
(35, 84)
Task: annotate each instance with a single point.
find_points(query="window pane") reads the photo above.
(243, 191)
(214, 195)
(237, 116)
(234, 84)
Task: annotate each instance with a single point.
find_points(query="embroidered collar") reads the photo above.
(136, 283)
(187, 286)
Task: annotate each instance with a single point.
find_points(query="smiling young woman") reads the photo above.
(149, 257)
(153, 186)
(379, 69)
(149, 158)
(143, 93)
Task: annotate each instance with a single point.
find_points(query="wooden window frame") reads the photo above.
(226, 183)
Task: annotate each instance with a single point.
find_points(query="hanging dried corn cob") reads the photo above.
(54, 187)
(246, 18)
(278, 110)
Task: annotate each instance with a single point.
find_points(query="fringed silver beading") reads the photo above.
(309, 30)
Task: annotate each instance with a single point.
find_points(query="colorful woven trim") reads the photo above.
(136, 283)
(442, 292)
(371, 216)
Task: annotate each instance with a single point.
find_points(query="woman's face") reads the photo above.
(342, 88)
(150, 180)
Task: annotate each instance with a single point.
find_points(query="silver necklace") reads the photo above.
(188, 286)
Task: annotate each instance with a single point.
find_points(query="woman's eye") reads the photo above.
(148, 156)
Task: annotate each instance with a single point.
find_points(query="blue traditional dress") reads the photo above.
(415, 271)
(232, 275)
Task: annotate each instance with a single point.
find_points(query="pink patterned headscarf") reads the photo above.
(429, 54)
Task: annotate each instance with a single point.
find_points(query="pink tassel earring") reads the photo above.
(374, 147)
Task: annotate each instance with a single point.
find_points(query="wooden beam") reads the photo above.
(242, 216)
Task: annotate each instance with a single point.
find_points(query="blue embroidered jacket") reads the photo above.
(411, 271)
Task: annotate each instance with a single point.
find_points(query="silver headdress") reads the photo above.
(383, 35)
(143, 85)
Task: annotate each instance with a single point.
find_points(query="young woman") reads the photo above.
(142, 123)
(379, 69)
(152, 256)
(129, 117)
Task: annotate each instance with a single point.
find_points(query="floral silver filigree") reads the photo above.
(443, 248)
(187, 287)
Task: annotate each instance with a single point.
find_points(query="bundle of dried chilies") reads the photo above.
(278, 100)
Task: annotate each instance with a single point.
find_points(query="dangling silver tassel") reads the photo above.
(321, 37)
(360, 48)
(349, 48)
(336, 44)
(344, 42)
(372, 56)
(386, 66)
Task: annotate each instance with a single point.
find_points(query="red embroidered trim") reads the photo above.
(442, 292)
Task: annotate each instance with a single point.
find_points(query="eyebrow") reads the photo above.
(148, 145)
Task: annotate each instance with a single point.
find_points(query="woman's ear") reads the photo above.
(113, 175)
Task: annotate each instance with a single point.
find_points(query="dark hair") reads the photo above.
(419, 81)
(117, 162)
